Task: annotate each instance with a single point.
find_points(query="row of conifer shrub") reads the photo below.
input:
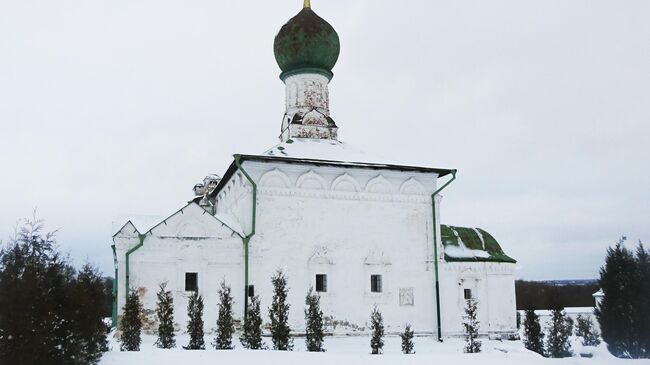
(131, 323)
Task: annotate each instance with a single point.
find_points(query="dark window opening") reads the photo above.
(191, 281)
(468, 293)
(375, 283)
(321, 283)
(251, 290)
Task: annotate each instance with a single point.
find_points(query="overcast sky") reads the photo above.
(117, 107)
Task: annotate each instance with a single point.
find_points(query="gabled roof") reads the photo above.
(146, 224)
(142, 223)
(471, 244)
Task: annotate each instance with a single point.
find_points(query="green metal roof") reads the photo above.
(306, 43)
(471, 244)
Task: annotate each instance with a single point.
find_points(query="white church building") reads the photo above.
(360, 231)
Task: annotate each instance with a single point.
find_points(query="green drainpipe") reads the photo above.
(128, 253)
(248, 237)
(435, 250)
(114, 299)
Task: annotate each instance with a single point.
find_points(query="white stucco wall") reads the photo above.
(492, 285)
(345, 222)
(189, 241)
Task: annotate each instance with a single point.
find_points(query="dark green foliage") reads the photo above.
(165, 313)
(251, 337)
(279, 314)
(131, 323)
(471, 327)
(569, 325)
(533, 336)
(557, 338)
(315, 334)
(225, 322)
(518, 320)
(642, 299)
(87, 329)
(548, 295)
(49, 313)
(585, 329)
(624, 314)
(195, 324)
(377, 326)
(407, 340)
(107, 296)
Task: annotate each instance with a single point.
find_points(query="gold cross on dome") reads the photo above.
(307, 4)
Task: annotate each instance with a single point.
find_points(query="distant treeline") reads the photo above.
(549, 295)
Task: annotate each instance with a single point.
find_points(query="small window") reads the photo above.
(375, 284)
(468, 293)
(321, 283)
(191, 281)
(251, 290)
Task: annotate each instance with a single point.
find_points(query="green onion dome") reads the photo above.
(307, 43)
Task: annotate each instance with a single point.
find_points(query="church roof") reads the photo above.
(312, 149)
(306, 43)
(335, 153)
(320, 152)
(471, 244)
(142, 223)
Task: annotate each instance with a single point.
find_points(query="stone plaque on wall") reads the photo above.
(406, 296)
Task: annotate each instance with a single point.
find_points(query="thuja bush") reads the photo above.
(377, 327)
(165, 313)
(225, 321)
(314, 331)
(279, 314)
(195, 324)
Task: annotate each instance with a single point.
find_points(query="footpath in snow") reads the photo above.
(353, 351)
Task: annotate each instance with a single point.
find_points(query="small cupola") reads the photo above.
(306, 48)
(305, 44)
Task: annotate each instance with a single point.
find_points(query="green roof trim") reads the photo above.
(473, 239)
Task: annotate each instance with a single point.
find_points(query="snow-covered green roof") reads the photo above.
(471, 244)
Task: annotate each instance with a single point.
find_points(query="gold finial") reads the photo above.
(307, 4)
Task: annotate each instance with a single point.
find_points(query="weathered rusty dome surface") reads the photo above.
(306, 43)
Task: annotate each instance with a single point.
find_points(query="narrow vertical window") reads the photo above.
(321, 283)
(375, 284)
(191, 281)
(251, 290)
(468, 293)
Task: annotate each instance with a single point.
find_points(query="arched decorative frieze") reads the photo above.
(236, 181)
(241, 182)
(412, 187)
(311, 181)
(345, 183)
(379, 185)
(275, 179)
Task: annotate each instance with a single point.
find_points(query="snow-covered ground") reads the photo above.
(354, 351)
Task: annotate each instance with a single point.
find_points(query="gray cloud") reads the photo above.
(110, 108)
